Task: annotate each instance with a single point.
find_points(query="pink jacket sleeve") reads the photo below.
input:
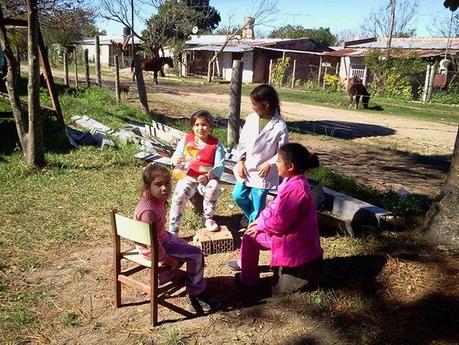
(283, 213)
(150, 217)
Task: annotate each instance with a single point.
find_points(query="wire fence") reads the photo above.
(431, 85)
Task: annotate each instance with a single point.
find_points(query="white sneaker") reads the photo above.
(201, 189)
(211, 225)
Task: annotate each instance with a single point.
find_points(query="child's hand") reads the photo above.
(241, 169)
(252, 224)
(251, 230)
(203, 179)
(176, 161)
(264, 169)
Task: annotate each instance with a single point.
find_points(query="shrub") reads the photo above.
(278, 71)
(333, 82)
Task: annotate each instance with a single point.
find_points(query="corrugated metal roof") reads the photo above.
(235, 45)
(400, 53)
(410, 43)
(107, 40)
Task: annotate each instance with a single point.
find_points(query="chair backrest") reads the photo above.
(133, 230)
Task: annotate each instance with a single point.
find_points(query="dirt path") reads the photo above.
(383, 151)
(429, 137)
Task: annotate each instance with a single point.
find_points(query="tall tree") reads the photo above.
(377, 22)
(320, 35)
(442, 221)
(261, 13)
(445, 27)
(29, 123)
(164, 20)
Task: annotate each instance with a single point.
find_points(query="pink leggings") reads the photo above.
(250, 254)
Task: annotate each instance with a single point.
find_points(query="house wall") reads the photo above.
(104, 53)
(346, 63)
(247, 68)
(227, 65)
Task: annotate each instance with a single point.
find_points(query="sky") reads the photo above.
(338, 15)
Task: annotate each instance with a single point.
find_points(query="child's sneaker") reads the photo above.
(233, 266)
(211, 225)
(201, 303)
(201, 189)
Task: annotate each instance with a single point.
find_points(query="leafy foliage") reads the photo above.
(394, 77)
(333, 82)
(321, 35)
(278, 71)
(174, 21)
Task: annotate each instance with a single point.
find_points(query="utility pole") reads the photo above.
(132, 29)
(393, 4)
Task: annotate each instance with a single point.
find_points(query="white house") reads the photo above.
(109, 47)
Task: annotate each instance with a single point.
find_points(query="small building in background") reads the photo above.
(352, 54)
(255, 53)
(109, 47)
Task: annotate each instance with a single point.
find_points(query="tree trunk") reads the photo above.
(441, 225)
(34, 151)
(19, 114)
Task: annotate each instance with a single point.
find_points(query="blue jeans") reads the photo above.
(251, 200)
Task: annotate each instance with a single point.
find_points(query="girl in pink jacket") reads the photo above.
(288, 225)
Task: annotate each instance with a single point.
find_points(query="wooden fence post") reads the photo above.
(270, 71)
(431, 80)
(293, 74)
(76, 68)
(235, 104)
(426, 84)
(320, 71)
(98, 78)
(86, 68)
(117, 79)
(141, 84)
(66, 69)
(325, 74)
(365, 75)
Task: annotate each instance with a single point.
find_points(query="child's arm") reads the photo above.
(289, 207)
(219, 162)
(178, 153)
(149, 216)
(283, 139)
(217, 169)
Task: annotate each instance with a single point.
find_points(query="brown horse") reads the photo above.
(357, 91)
(153, 65)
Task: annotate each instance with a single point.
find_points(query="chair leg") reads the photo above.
(117, 293)
(154, 311)
(154, 296)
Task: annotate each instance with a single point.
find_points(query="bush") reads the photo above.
(450, 96)
(278, 71)
(333, 82)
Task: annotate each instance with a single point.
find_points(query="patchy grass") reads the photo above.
(55, 223)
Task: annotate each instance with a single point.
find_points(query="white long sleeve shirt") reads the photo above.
(260, 147)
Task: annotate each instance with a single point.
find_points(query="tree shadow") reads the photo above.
(339, 129)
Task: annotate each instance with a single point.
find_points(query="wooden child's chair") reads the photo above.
(144, 233)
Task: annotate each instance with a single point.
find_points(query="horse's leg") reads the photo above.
(155, 74)
(351, 101)
(357, 100)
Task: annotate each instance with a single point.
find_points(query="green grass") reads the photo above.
(66, 206)
(378, 105)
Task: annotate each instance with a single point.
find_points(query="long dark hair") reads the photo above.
(266, 93)
(299, 156)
